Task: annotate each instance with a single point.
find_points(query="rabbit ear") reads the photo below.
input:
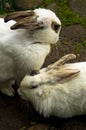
(24, 20)
(62, 73)
(67, 74)
(63, 60)
(18, 15)
(29, 23)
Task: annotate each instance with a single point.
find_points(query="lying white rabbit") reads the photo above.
(58, 90)
(25, 43)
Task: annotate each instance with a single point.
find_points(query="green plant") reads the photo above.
(2, 6)
(80, 46)
(48, 1)
(23, 128)
(84, 43)
(69, 17)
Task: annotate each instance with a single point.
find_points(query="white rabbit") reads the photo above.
(58, 90)
(25, 43)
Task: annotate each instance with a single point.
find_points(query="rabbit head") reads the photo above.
(45, 90)
(43, 24)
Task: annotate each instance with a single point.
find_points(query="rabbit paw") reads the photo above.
(9, 91)
(7, 88)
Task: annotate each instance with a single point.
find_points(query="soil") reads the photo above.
(15, 117)
(78, 6)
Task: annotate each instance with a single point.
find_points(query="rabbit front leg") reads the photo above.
(6, 88)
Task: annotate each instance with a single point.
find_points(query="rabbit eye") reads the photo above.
(34, 86)
(55, 27)
(34, 72)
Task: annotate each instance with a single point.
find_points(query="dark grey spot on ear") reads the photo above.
(18, 15)
(34, 86)
(34, 72)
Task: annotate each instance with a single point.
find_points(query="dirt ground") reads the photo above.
(13, 116)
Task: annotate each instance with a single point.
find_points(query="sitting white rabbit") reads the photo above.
(58, 90)
(25, 43)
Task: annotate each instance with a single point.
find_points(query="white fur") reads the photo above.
(62, 99)
(18, 53)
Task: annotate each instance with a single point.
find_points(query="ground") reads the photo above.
(16, 115)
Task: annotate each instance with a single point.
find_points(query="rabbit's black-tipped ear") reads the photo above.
(29, 23)
(18, 15)
(67, 74)
(24, 20)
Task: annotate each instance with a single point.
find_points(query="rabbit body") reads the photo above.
(64, 98)
(17, 50)
(17, 59)
(23, 50)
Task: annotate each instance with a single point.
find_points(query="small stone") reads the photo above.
(53, 7)
(78, 6)
(74, 33)
(27, 4)
(39, 127)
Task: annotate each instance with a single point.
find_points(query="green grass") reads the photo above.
(2, 10)
(80, 46)
(48, 1)
(23, 128)
(84, 43)
(67, 16)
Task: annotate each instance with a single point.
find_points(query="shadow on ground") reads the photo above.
(14, 117)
